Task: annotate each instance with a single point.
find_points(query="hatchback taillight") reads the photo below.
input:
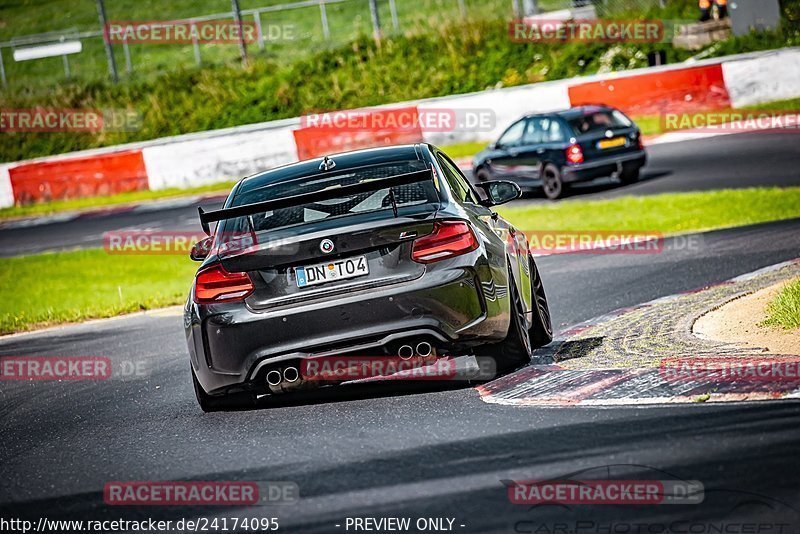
(215, 284)
(575, 154)
(448, 239)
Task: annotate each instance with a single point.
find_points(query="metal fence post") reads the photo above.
(195, 45)
(323, 13)
(393, 10)
(66, 66)
(112, 64)
(259, 30)
(2, 69)
(237, 16)
(376, 19)
(462, 7)
(127, 50)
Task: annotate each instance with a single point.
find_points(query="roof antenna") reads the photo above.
(327, 164)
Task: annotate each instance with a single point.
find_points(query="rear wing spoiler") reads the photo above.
(207, 217)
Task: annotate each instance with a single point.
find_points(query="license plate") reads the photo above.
(612, 143)
(310, 275)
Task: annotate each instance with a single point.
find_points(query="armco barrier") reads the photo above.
(679, 90)
(198, 159)
(59, 179)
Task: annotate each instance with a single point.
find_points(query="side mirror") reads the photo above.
(493, 146)
(201, 249)
(500, 192)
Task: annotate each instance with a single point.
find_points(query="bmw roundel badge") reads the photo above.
(326, 246)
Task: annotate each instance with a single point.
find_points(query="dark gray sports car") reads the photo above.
(387, 252)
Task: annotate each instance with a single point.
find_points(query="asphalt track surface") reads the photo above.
(432, 451)
(730, 161)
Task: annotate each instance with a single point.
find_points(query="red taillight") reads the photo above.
(640, 141)
(448, 239)
(215, 284)
(575, 154)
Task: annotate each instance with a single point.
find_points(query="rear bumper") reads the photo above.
(603, 167)
(231, 344)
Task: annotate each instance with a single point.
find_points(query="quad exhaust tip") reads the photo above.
(291, 374)
(406, 352)
(424, 349)
(274, 377)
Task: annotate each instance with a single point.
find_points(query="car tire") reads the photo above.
(515, 350)
(629, 176)
(552, 183)
(483, 175)
(541, 330)
(211, 403)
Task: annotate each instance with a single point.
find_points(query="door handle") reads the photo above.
(540, 150)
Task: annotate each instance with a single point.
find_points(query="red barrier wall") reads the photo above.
(679, 90)
(89, 176)
(356, 129)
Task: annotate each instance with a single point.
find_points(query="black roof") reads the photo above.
(573, 112)
(344, 161)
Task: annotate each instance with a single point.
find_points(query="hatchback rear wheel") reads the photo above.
(552, 184)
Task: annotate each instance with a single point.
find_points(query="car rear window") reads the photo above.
(599, 121)
(412, 194)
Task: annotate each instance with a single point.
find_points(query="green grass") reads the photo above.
(464, 150)
(666, 213)
(63, 287)
(784, 310)
(78, 204)
(46, 289)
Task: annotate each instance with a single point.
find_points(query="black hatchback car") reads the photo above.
(552, 150)
(383, 253)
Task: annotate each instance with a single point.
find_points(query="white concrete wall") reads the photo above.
(507, 105)
(205, 160)
(6, 193)
(764, 79)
